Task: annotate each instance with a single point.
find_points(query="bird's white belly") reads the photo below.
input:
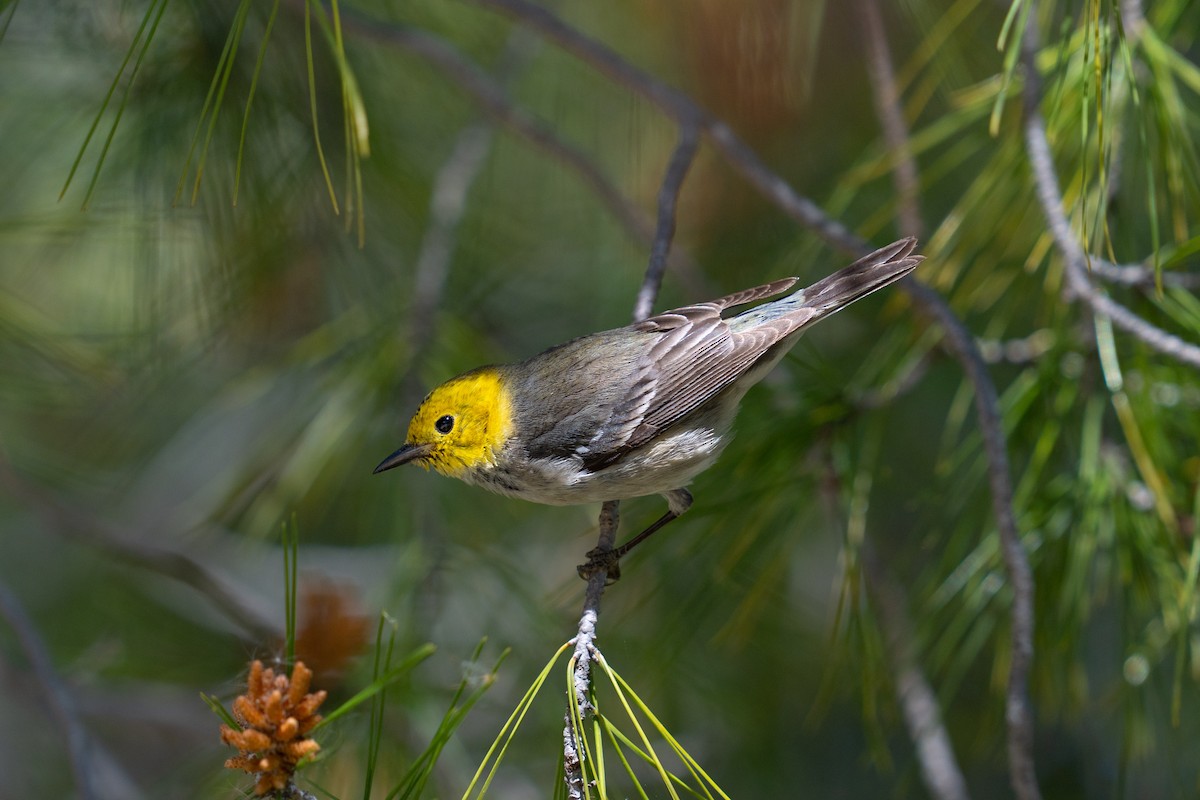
(668, 462)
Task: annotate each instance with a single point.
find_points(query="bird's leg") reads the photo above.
(678, 501)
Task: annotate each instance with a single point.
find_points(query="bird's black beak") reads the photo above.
(407, 453)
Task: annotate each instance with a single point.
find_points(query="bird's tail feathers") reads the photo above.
(879, 269)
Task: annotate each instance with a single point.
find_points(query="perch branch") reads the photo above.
(668, 196)
(585, 640)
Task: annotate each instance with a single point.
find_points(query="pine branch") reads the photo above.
(585, 638)
(1141, 275)
(668, 195)
(922, 714)
(1079, 285)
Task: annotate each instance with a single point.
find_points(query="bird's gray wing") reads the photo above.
(691, 357)
(697, 354)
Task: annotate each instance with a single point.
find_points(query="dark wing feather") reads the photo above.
(695, 357)
(699, 355)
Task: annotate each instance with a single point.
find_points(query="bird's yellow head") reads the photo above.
(459, 426)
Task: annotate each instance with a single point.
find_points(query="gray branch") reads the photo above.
(939, 768)
(1079, 286)
(1141, 275)
(922, 715)
(895, 130)
(668, 195)
(494, 100)
(585, 639)
(58, 698)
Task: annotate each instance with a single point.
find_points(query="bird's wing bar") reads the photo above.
(684, 315)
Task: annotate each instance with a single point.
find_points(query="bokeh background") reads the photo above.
(187, 367)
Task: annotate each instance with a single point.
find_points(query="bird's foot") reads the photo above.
(599, 559)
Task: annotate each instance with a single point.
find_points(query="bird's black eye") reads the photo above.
(444, 424)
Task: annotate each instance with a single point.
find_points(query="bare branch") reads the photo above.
(1133, 19)
(447, 204)
(922, 715)
(1079, 286)
(1019, 713)
(891, 118)
(62, 705)
(584, 646)
(1141, 275)
(668, 195)
(1022, 350)
(681, 108)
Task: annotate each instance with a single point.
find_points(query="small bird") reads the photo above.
(629, 412)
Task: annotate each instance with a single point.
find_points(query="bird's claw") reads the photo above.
(605, 559)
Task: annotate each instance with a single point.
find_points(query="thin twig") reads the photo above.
(891, 118)
(1037, 147)
(681, 108)
(922, 715)
(668, 195)
(1133, 20)
(494, 100)
(935, 755)
(1021, 350)
(1141, 275)
(1018, 709)
(897, 387)
(447, 202)
(62, 704)
(584, 647)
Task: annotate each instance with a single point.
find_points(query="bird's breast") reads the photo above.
(669, 461)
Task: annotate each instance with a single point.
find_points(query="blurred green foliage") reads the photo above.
(182, 377)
